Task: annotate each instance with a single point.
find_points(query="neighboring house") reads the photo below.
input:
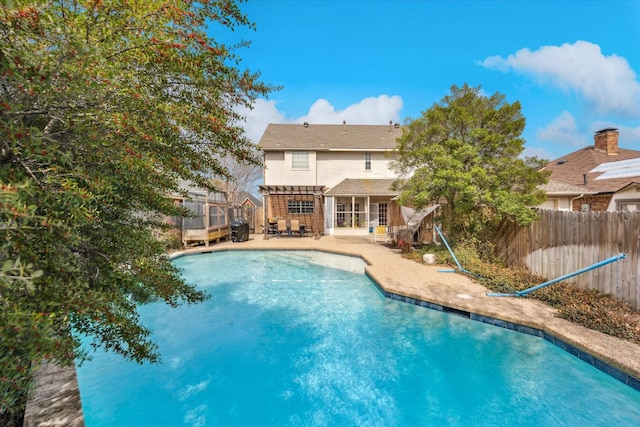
(249, 200)
(602, 177)
(560, 196)
(251, 211)
(335, 178)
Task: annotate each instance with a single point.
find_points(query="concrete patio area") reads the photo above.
(400, 277)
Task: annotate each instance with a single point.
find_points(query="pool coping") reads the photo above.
(585, 356)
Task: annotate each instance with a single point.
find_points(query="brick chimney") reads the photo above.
(606, 141)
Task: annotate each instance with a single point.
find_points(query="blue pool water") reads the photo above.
(305, 339)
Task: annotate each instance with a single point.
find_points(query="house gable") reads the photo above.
(247, 198)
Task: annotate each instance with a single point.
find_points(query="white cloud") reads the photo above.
(257, 119)
(373, 110)
(190, 390)
(536, 152)
(628, 137)
(369, 111)
(606, 82)
(563, 130)
(196, 417)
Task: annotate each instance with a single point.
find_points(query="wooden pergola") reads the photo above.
(317, 191)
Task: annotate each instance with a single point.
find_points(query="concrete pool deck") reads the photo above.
(403, 279)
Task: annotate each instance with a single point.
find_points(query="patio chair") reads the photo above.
(380, 234)
(282, 227)
(295, 227)
(272, 227)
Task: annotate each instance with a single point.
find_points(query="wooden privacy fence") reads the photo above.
(562, 242)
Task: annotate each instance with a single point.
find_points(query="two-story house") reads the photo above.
(336, 179)
(601, 177)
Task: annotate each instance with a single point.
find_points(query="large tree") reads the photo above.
(465, 153)
(104, 106)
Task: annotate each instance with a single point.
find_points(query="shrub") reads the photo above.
(589, 308)
(405, 246)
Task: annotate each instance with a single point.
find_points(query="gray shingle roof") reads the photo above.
(329, 137)
(557, 188)
(363, 187)
(246, 195)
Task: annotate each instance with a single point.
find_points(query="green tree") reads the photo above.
(104, 106)
(464, 152)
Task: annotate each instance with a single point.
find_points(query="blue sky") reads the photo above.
(573, 65)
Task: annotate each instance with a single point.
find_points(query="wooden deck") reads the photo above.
(205, 236)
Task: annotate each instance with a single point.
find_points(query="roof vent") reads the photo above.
(561, 162)
(344, 125)
(306, 124)
(397, 125)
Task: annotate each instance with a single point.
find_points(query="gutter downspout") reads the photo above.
(575, 198)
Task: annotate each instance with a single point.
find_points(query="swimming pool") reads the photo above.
(305, 339)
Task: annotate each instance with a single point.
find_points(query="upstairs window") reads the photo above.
(299, 160)
(367, 161)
